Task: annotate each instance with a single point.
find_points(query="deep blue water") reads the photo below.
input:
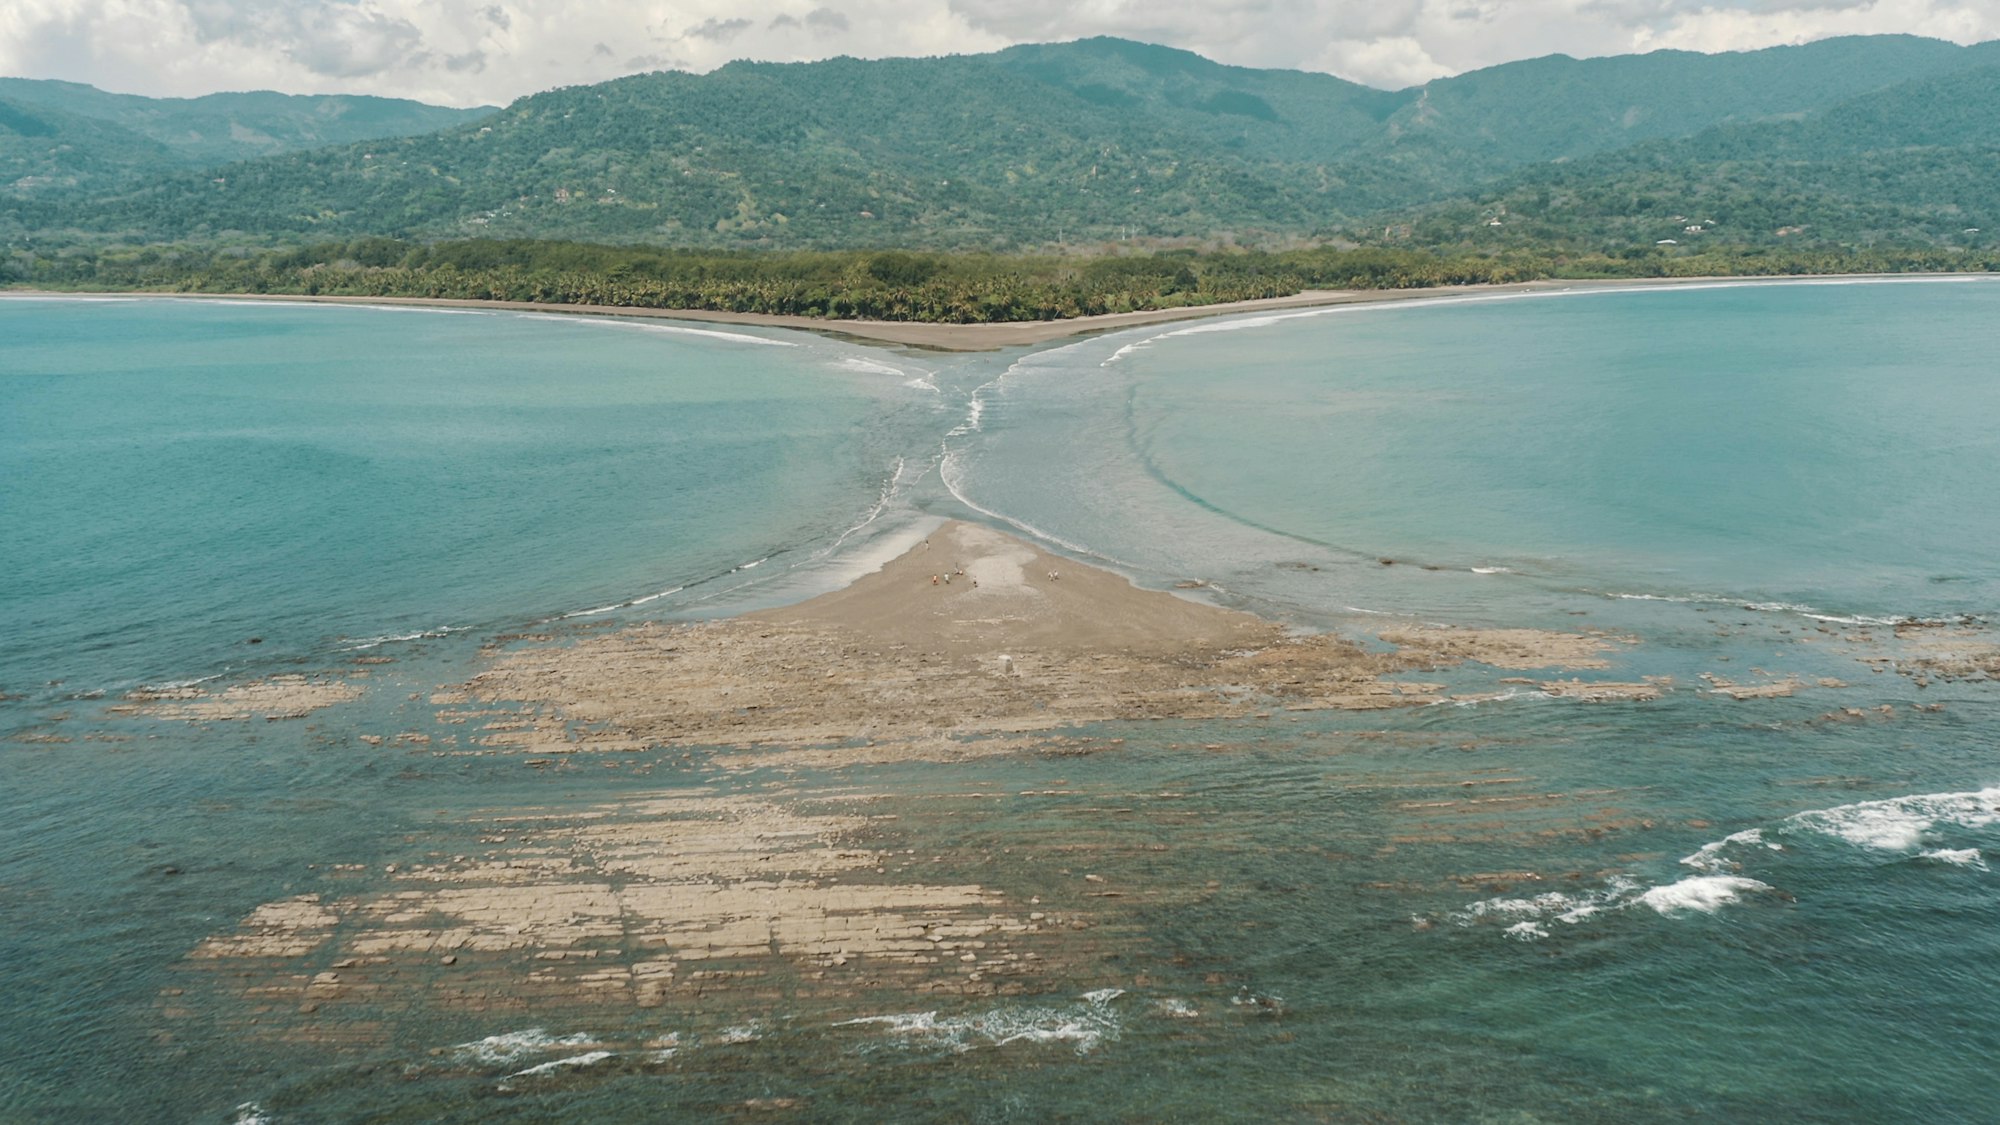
(1696, 908)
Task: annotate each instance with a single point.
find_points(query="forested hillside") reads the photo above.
(64, 137)
(1106, 141)
(1917, 163)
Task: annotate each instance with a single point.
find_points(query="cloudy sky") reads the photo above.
(465, 52)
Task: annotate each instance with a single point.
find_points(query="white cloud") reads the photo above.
(1715, 28)
(469, 51)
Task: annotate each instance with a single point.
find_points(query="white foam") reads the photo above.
(434, 310)
(745, 1033)
(1962, 857)
(513, 1046)
(1858, 619)
(952, 477)
(1245, 998)
(1569, 909)
(180, 685)
(1705, 893)
(1176, 1009)
(1497, 697)
(623, 605)
(377, 642)
(868, 366)
(601, 321)
(1121, 353)
(1709, 856)
(887, 494)
(1810, 612)
(1780, 607)
(250, 1113)
(1083, 1026)
(1492, 570)
(975, 409)
(1528, 919)
(975, 406)
(1236, 324)
(1899, 824)
(588, 1058)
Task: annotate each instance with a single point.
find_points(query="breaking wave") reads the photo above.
(1912, 827)
(1082, 1026)
(513, 1046)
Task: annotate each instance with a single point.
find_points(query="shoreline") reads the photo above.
(930, 336)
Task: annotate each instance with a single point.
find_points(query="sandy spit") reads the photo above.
(971, 637)
(992, 337)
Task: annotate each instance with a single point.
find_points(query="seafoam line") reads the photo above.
(600, 321)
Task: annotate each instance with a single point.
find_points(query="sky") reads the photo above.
(471, 52)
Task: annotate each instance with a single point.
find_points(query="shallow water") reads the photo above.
(1524, 909)
(1819, 447)
(188, 476)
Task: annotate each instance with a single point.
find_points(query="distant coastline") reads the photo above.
(933, 336)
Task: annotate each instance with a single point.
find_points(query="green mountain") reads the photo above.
(955, 151)
(64, 136)
(1915, 163)
(1107, 139)
(45, 150)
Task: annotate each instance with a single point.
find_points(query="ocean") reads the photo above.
(1518, 907)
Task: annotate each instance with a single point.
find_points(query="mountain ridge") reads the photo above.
(148, 136)
(1091, 141)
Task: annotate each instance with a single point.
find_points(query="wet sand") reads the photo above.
(966, 640)
(992, 337)
(288, 696)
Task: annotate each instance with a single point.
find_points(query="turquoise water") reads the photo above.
(1693, 908)
(184, 478)
(1819, 445)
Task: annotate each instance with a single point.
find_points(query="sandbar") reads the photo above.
(964, 644)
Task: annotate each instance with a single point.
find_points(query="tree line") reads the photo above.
(959, 288)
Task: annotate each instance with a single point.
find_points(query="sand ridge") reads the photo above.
(965, 642)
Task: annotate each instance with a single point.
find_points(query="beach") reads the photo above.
(990, 337)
